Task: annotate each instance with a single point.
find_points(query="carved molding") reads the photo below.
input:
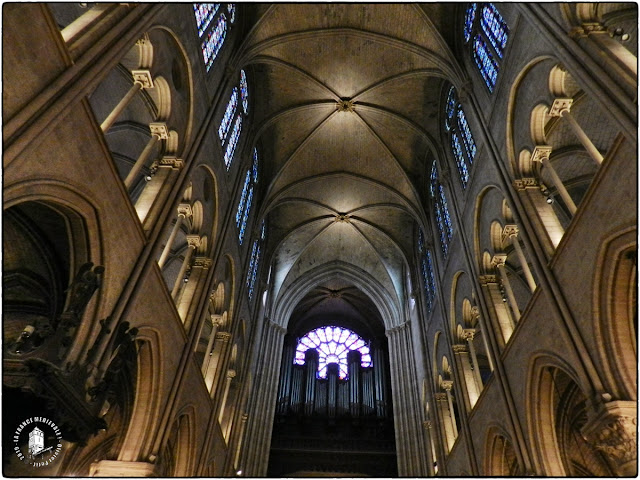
(560, 106)
(541, 153)
(203, 262)
(509, 231)
(345, 106)
(459, 349)
(223, 336)
(159, 129)
(143, 77)
(487, 279)
(525, 182)
(185, 210)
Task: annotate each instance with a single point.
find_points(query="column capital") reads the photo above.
(541, 153)
(509, 231)
(231, 373)
(216, 320)
(185, 210)
(459, 348)
(475, 312)
(487, 279)
(440, 397)
(193, 241)
(142, 77)
(159, 129)
(277, 327)
(171, 161)
(560, 106)
(499, 259)
(223, 336)
(468, 333)
(447, 385)
(525, 182)
(612, 429)
(203, 262)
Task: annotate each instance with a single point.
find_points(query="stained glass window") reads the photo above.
(445, 211)
(450, 108)
(494, 27)
(225, 124)
(244, 91)
(441, 208)
(245, 216)
(246, 198)
(254, 167)
(233, 142)
(204, 13)
(433, 179)
(252, 271)
(469, 18)
(214, 41)
(460, 161)
(485, 62)
(429, 280)
(243, 199)
(467, 137)
(333, 344)
(231, 8)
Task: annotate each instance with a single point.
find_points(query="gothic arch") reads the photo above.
(138, 443)
(500, 458)
(615, 312)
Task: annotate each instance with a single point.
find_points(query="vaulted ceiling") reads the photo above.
(347, 102)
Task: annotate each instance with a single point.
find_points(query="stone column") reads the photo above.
(468, 334)
(220, 347)
(193, 242)
(184, 211)
(187, 301)
(612, 428)
(561, 108)
(215, 324)
(469, 386)
(243, 425)
(502, 314)
(448, 386)
(475, 318)
(159, 131)
(141, 79)
(157, 189)
(227, 385)
(498, 261)
(446, 420)
(541, 154)
(511, 232)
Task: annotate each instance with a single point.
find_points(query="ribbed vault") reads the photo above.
(346, 117)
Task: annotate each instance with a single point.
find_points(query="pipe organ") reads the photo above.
(363, 393)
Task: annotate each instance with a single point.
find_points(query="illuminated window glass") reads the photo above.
(445, 212)
(428, 279)
(246, 198)
(469, 18)
(243, 199)
(333, 344)
(254, 167)
(450, 108)
(485, 63)
(494, 27)
(204, 13)
(244, 91)
(467, 137)
(460, 161)
(441, 210)
(214, 41)
(433, 179)
(231, 8)
(225, 124)
(233, 142)
(245, 216)
(252, 271)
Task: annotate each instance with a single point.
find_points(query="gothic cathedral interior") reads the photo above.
(320, 239)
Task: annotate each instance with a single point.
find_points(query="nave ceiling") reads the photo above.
(346, 102)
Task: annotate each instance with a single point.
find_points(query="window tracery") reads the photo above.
(254, 262)
(441, 208)
(213, 41)
(333, 345)
(204, 12)
(459, 128)
(426, 263)
(246, 198)
(488, 26)
(231, 112)
(223, 130)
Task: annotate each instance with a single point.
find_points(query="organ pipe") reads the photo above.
(311, 365)
(353, 360)
(332, 389)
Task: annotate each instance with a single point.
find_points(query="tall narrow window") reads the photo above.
(428, 278)
(441, 210)
(486, 26)
(456, 124)
(233, 115)
(254, 262)
(333, 345)
(231, 9)
(204, 13)
(246, 198)
(213, 42)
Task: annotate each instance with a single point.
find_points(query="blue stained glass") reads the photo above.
(332, 348)
(243, 199)
(263, 230)
(231, 8)
(255, 166)
(433, 179)
(485, 63)
(204, 13)
(494, 27)
(450, 108)
(441, 230)
(252, 260)
(445, 211)
(467, 137)
(420, 240)
(214, 41)
(245, 216)
(233, 142)
(469, 18)
(225, 124)
(244, 92)
(460, 161)
(252, 271)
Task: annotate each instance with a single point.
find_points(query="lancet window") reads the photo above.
(428, 279)
(441, 208)
(333, 344)
(458, 127)
(254, 262)
(232, 115)
(484, 26)
(212, 29)
(246, 197)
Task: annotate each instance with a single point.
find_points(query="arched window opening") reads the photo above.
(254, 262)
(213, 42)
(456, 124)
(204, 12)
(333, 344)
(231, 9)
(230, 142)
(428, 278)
(246, 198)
(487, 27)
(441, 207)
